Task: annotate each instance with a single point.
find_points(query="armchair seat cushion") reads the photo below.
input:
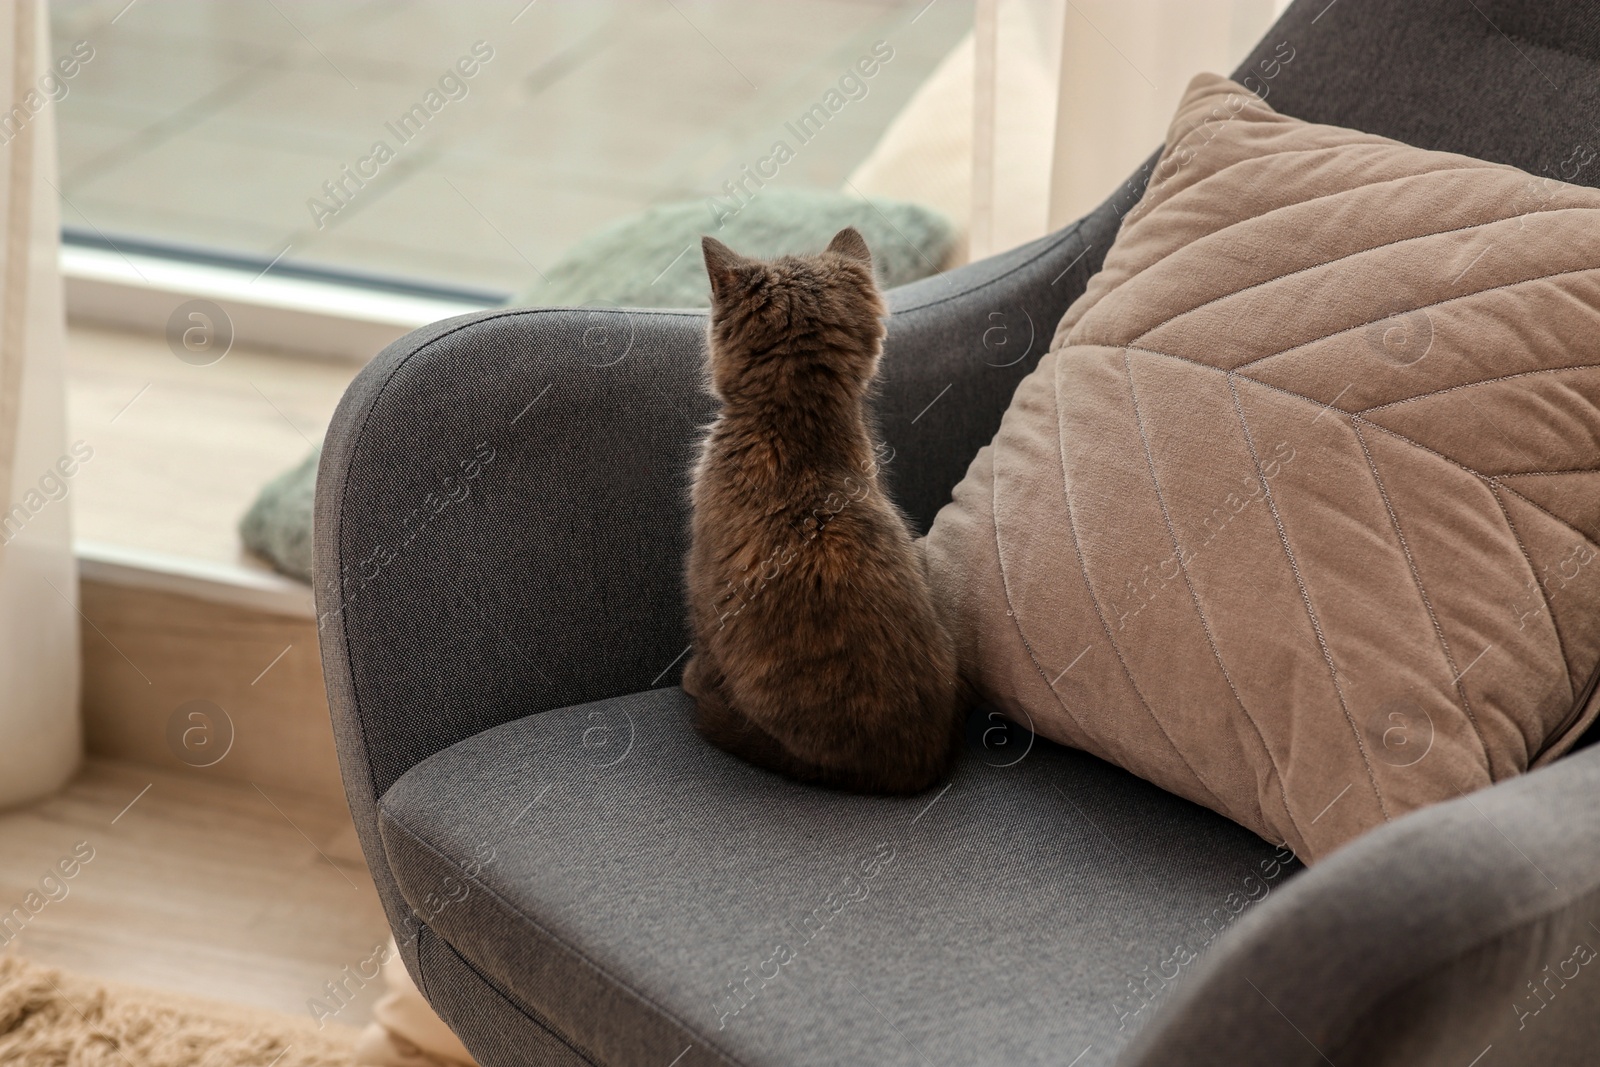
(639, 894)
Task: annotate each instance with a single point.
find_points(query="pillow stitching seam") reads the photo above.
(1420, 307)
(1494, 478)
(1200, 612)
(1470, 385)
(1016, 618)
(1546, 474)
(1375, 425)
(1305, 596)
(1500, 478)
(1335, 259)
(1494, 487)
(1374, 141)
(1083, 570)
(1422, 592)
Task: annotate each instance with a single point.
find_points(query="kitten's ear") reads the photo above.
(849, 243)
(722, 265)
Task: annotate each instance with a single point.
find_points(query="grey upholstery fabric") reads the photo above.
(550, 577)
(501, 1031)
(1513, 81)
(1471, 924)
(637, 872)
(547, 576)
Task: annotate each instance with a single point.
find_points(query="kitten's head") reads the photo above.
(794, 326)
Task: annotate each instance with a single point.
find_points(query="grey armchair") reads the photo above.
(574, 878)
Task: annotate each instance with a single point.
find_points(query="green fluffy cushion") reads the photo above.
(652, 259)
(278, 525)
(626, 264)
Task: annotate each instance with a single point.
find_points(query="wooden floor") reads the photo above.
(215, 889)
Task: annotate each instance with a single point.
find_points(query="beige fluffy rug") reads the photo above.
(52, 1019)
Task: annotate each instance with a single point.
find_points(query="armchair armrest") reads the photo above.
(498, 528)
(1466, 925)
(502, 500)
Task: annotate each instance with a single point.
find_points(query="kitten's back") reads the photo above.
(817, 650)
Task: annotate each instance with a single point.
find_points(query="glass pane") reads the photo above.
(468, 143)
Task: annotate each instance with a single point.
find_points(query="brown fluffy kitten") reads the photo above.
(817, 651)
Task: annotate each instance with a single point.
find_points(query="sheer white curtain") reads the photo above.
(40, 732)
(1071, 95)
(1037, 116)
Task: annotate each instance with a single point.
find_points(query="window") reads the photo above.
(466, 145)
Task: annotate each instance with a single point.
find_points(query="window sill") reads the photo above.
(246, 585)
(122, 289)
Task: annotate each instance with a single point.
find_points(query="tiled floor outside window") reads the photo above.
(219, 123)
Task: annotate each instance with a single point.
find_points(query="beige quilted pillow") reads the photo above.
(1298, 517)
